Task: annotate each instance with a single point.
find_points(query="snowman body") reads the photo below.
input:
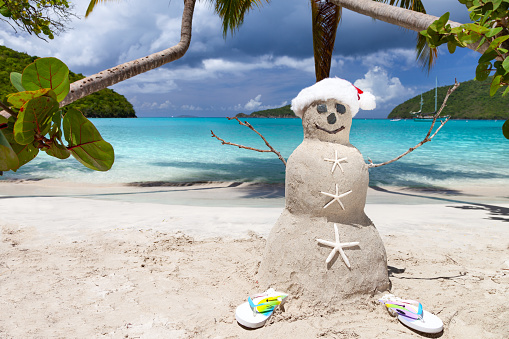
(326, 186)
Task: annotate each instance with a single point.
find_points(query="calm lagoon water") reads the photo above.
(182, 150)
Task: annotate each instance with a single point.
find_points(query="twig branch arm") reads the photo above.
(247, 124)
(223, 142)
(428, 136)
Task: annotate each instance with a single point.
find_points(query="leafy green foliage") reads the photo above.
(47, 73)
(470, 101)
(490, 25)
(103, 104)
(9, 159)
(45, 17)
(17, 100)
(36, 122)
(281, 112)
(16, 81)
(34, 118)
(85, 142)
(505, 129)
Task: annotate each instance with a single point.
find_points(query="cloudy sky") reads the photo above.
(265, 64)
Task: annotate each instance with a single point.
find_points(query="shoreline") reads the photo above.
(234, 193)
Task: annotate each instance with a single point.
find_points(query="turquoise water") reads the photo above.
(182, 150)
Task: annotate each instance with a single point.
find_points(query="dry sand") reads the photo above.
(159, 262)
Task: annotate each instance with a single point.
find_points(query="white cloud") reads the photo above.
(166, 104)
(383, 87)
(191, 108)
(164, 79)
(390, 58)
(253, 104)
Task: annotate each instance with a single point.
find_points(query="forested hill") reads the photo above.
(103, 104)
(471, 100)
(281, 112)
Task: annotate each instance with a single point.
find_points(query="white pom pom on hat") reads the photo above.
(333, 88)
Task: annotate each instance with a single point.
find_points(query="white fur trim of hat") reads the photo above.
(333, 88)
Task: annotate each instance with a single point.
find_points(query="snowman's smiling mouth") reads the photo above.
(330, 132)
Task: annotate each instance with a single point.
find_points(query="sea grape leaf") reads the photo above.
(56, 129)
(451, 46)
(494, 31)
(505, 64)
(34, 118)
(25, 153)
(16, 81)
(86, 143)
(8, 158)
(58, 150)
(47, 73)
(495, 85)
(505, 129)
(21, 98)
(482, 72)
(498, 41)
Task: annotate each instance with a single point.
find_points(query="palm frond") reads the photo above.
(92, 4)
(326, 17)
(426, 56)
(232, 12)
(414, 5)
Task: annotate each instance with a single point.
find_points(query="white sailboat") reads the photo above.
(419, 116)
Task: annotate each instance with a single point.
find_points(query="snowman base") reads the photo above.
(294, 261)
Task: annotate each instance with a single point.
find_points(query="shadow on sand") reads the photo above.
(497, 213)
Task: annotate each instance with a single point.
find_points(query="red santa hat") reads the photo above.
(333, 88)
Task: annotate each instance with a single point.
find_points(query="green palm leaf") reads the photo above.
(326, 17)
(232, 12)
(426, 55)
(414, 5)
(92, 4)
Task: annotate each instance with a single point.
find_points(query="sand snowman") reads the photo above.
(323, 247)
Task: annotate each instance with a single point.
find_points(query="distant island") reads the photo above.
(105, 103)
(470, 101)
(281, 112)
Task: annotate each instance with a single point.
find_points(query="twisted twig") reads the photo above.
(247, 124)
(429, 136)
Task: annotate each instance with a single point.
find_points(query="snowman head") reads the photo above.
(327, 109)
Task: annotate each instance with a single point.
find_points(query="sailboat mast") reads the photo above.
(436, 93)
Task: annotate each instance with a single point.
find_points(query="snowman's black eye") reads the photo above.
(341, 109)
(321, 108)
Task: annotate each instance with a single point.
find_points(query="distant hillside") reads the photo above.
(282, 112)
(470, 101)
(103, 104)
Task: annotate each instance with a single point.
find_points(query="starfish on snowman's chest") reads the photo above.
(337, 247)
(335, 197)
(336, 162)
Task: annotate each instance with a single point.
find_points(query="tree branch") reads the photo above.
(8, 110)
(247, 124)
(428, 136)
(405, 18)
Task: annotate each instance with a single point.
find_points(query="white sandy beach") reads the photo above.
(174, 262)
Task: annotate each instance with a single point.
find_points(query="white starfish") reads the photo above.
(336, 162)
(335, 197)
(338, 247)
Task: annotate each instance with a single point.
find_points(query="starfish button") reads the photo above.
(335, 162)
(335, 197)
(337, 247)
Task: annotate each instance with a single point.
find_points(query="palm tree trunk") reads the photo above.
(101, 80)
(326, 18)
(397, 16)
